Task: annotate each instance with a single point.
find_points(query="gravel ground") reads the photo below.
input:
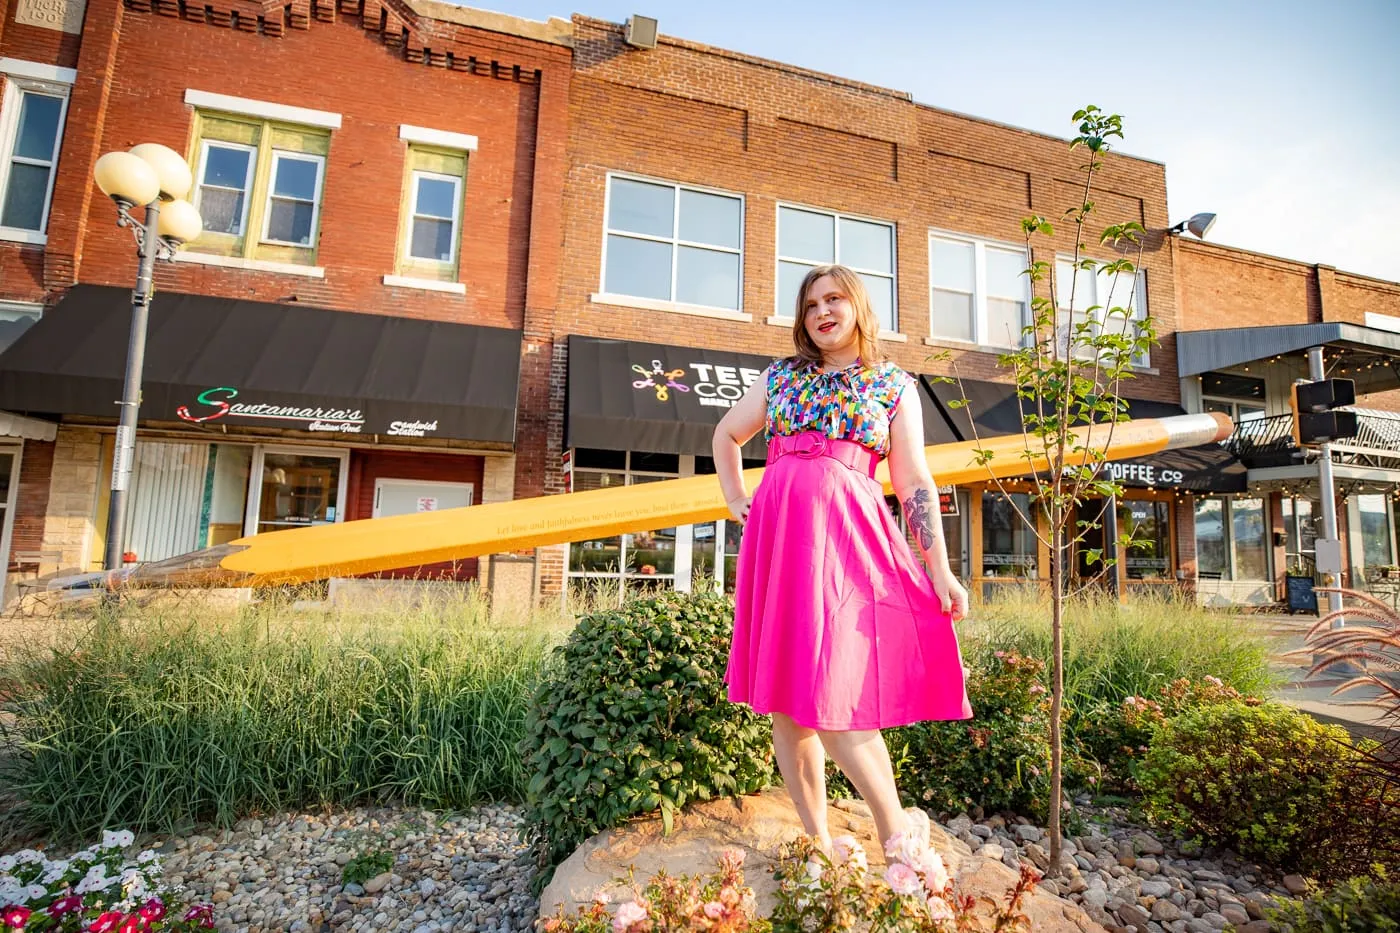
(460, 871)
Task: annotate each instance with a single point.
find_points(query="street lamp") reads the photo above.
(147, 175)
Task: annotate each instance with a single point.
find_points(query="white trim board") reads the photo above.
(443, 138)
(263, 109)
(20, 68)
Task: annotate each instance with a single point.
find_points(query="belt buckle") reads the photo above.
(810, 445)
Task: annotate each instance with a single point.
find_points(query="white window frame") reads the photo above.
(260, 451)
(32, 79)
(603, 296)
(981, 330)
(382, 482)
(1227, 518)
(1137, 294)
(199, 185)
(277, 156)
(783, 316)
(412, 215)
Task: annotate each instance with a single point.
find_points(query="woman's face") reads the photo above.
(829, 318)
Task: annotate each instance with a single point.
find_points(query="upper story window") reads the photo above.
(1101, 291)
(979, 292)
(259, 174)
(808, 237)
(1241, 397)
(430, 237)
(32, 115)
(673, 244)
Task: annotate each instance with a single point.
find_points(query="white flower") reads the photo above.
(602, 897)
(10, 892)
(902, 879)
(95, 880)
(117, 840)
(56, 872)
(814, 871)
(904, 847)
(29, 857)
(35, 892)
(148, 856)
(628, 914)
(7, 863)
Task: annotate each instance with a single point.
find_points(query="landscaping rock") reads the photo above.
(1296, 884)
(1146, 844)
(1028, 833)
(759, 824)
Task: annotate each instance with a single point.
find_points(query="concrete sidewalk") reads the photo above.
(1315, 696)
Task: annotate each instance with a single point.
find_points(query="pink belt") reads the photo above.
(812, 444)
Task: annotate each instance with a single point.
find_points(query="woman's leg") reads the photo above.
(864, 759)
(803, 766)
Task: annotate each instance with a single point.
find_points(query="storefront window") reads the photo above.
(1375, 531)
(1008, 543)
(1147, 523)
(1231, 539)
(609, 569)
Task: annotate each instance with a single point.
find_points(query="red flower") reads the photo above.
(134, 924)
(15, 917)
(105, 923)
(154, 910)
(65, 905)
(204, 913)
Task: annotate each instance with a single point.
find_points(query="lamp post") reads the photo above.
(157, 177)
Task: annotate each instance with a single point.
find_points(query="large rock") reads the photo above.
(759, 825)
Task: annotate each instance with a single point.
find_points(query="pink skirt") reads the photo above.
(836, 623)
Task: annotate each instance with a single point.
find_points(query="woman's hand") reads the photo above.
(739, 508)
(952, 594)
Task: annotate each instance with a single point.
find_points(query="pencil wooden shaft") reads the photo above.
(305, 554)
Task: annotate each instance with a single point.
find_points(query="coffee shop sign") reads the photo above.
(1144, 474)
(722, 386)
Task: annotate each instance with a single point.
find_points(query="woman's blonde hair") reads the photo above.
(867, 324)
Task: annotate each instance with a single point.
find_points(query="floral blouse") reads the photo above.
(854, 404)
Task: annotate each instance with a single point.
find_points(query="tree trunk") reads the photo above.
(1057, 681)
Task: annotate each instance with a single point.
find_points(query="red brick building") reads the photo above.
(519, 233)
(372, 175)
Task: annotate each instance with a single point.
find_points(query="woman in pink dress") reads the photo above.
(838, 632)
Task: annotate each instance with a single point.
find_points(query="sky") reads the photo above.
(1281, 117)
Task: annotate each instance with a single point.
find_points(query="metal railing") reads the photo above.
(1265, 442)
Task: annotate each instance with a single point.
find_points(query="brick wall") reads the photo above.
(366, 467)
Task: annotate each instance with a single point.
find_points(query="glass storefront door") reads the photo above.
(294, 489)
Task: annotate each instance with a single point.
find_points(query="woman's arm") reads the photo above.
(739, 424)
(918, 495)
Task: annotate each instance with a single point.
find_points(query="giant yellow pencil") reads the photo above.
(304, 554)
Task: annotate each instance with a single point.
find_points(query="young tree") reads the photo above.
(1067, 371)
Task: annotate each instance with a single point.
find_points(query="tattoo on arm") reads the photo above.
(918, 512)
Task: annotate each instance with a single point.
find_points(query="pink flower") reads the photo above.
(902, 879)
(203, 914)
(628, 914)
(938, 909)
(154, 911)
(930, 865)
(714, 910)
(65, 905)
(1037, 690)
(602, 897)
(15, 917)
(106, 923)
(728, 896)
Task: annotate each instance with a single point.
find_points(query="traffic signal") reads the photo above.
(1314, 421)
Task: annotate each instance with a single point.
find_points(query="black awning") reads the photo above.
(995, 409)
(651, 397)
(224, 361)
(1201, 351)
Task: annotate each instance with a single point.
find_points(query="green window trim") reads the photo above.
(428, 169)
(226, 136)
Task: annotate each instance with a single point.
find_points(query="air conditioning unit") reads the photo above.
(640, 32)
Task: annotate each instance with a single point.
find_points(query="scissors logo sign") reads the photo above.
(663, 381)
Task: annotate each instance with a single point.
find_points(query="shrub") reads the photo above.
(1261, 779)
(1116, 650)
(1357, 905)
(1116, 736)
(187, 715)
(998, 760)
(632, 717)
